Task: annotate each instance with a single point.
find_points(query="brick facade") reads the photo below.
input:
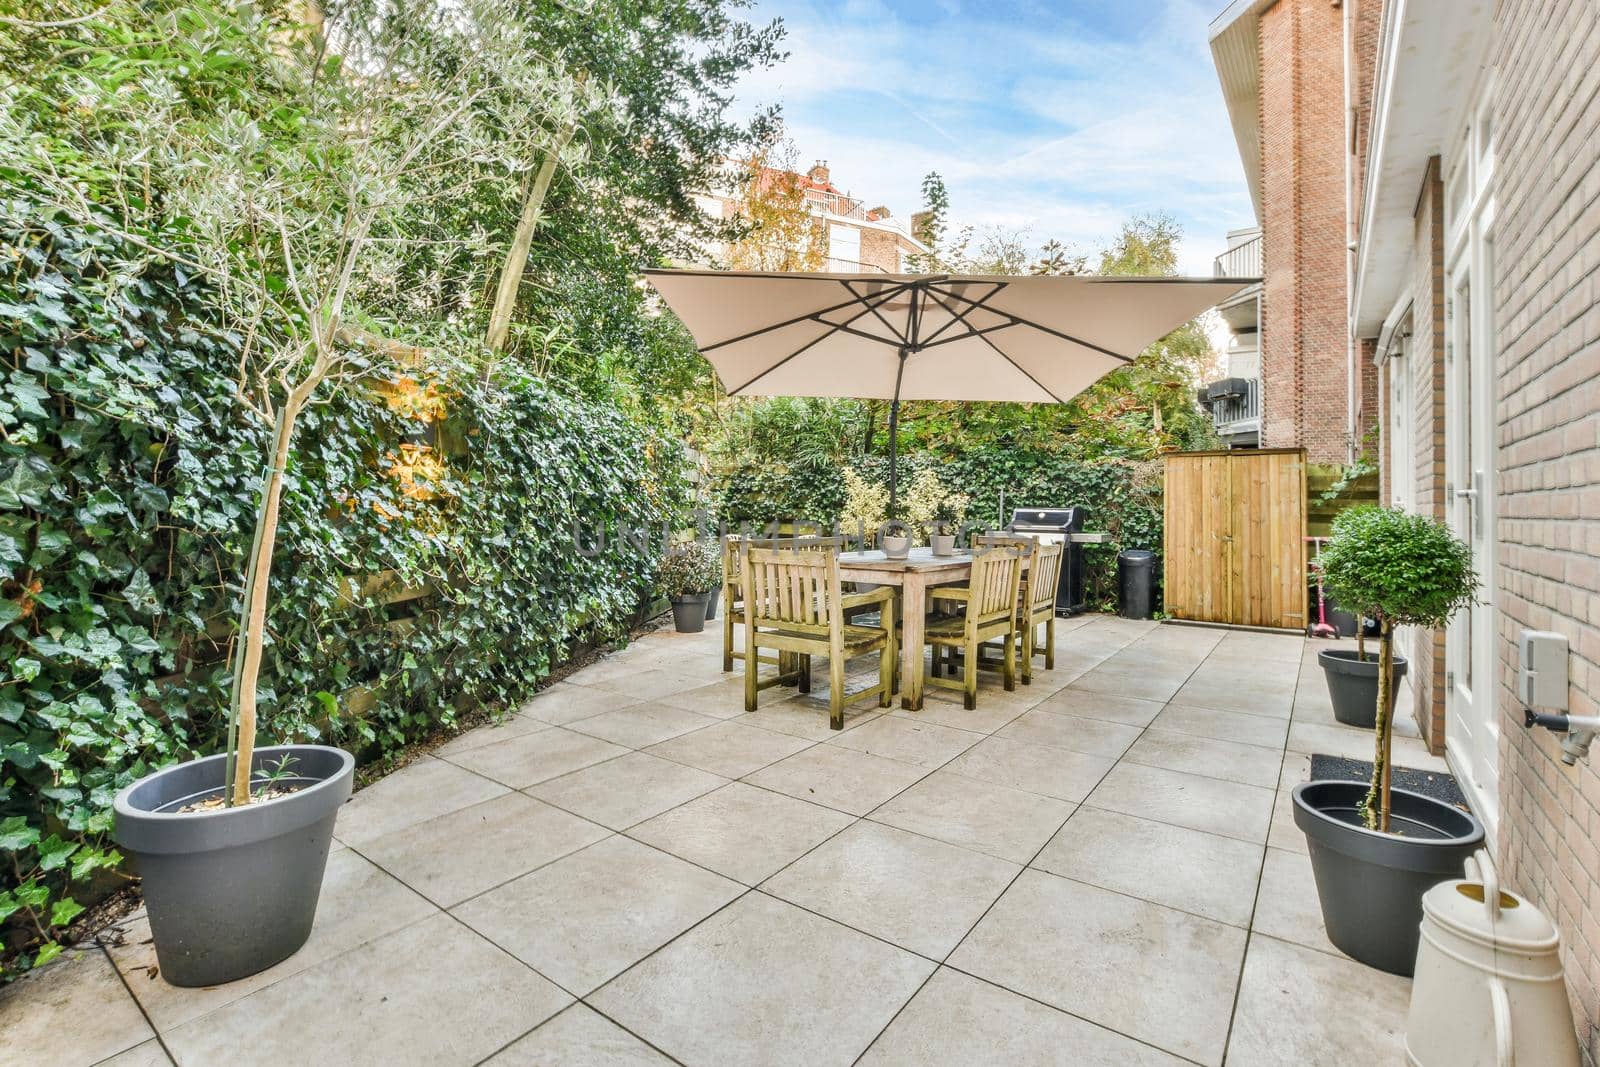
(1304, 364)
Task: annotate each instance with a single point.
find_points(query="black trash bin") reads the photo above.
(1136, 583)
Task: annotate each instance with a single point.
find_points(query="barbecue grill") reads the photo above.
(1052, 525)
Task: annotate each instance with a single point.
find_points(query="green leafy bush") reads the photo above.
(128, 479)
(689, 567)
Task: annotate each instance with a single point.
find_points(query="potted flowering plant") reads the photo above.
(946, 520)
(686, 576)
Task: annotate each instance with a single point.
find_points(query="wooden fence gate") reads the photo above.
(1234, 536)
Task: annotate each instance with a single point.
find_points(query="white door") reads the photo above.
(1472, 721)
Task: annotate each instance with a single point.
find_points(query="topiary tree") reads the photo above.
(1402, 570)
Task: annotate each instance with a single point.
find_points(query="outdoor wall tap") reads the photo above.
(1579, 731)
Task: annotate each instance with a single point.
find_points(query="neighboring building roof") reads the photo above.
(1235, 49)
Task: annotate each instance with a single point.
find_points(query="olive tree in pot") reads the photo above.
(299, 203)
(686, 576)
(1375, 849)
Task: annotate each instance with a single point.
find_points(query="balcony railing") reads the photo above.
(1240, 261)
(1235, 406)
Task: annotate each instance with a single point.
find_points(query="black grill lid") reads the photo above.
(1064, 520)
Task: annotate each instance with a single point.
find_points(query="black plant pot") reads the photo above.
(1353, 684)
(689, 612)
(1370, 885)
(711, 604)
(232, 891)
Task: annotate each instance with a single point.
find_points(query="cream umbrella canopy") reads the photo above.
(1033, 339)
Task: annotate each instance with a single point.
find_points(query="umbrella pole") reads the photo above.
(894, 439)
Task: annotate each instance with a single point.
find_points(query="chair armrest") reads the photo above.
(881, 595)
(950, 594)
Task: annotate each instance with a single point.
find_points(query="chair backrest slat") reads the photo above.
(793, 585)
(995, 575)
(1044, 574)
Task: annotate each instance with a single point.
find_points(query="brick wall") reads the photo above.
(1304, 370)
(1547, 320)
(880, 249)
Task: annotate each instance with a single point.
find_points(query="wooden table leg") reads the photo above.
(913, 603)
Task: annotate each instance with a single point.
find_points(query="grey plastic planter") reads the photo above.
(232, 891)
(1370, 885)
(689, 612)
(1353, 684)
(711, 604)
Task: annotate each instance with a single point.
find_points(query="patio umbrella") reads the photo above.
(927, 336)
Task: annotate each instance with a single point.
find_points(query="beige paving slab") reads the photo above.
(730, 749)
(488, 734)
(461, 854)
(1356, 743)
(383, 1003)
(1287, 907)
(524, 761)
(924, 744)
(1230, 809)
(1094, 737)
(1087, 704)
(982, 816)
(803, 718)
(1033, 768)
(741, 831)
(424, 790)
(149, 1054)
(1228, 760)
(579, 1037)
(986, 718)
(359, 902)
(1284, 833)
(960, 1021)
(624, 791)
(792, 988)
(1279, 648)
(721, 699)
(652, 684)
(840, 778)
(72, 1012)
(1142, 681)
(1264, 730)
(1295, 1007)
(565, 703)
(587, 917)
(919, 893)
(1184, 869)
(1159, 975)
(642, 725)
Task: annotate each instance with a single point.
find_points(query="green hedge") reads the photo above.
(128, 481)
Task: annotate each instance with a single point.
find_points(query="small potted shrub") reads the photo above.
(1352, 674)
(713, 551)
(686, 577)
(1374, 849)
(896, 538)
(946, 520)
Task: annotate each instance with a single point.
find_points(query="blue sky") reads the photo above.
(1061, 118)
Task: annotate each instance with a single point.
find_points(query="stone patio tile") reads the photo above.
(1284, 648)
(433, 992)
(579, 1037)
(586, 917)
(359, 902)
(1287, 906)
(799, 717)
(741, 831)
(149, 1054)
(1184, 869)
(1148, 681)
(564, 702)
(924, 744)
(730, 749)
(1354, 742)
(489, 733)
(1094, 737)
(652, 684)
(986, 718)
(424, 790)
(461, 854)
(72, 1012)
(1210, 804)
(1228, 760)
(1265, 730)
(1156, 974)
(1244, 686)
(982, 816)
(958, 1021)
(722, 699)
(1297, 1005)
(764, 982)
(839, 778)
(921, 894)
(524, 761)
(1107, 707)
(1033, 768)
(621, 792)
(642, 725)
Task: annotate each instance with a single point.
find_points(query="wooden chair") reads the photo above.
(733, 596)
(990, 599)
(793, 604)
(1036, 605)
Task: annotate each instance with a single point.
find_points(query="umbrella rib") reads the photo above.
(894, 290)
(833, 327)
(972, 305)
(1045, 329)
(876, 313)
(1003, 355)
(971, 333)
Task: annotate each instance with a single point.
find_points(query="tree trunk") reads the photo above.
(505, 296)
(1377, 803)
(258, 585)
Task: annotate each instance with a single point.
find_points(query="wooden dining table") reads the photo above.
(912, 576)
